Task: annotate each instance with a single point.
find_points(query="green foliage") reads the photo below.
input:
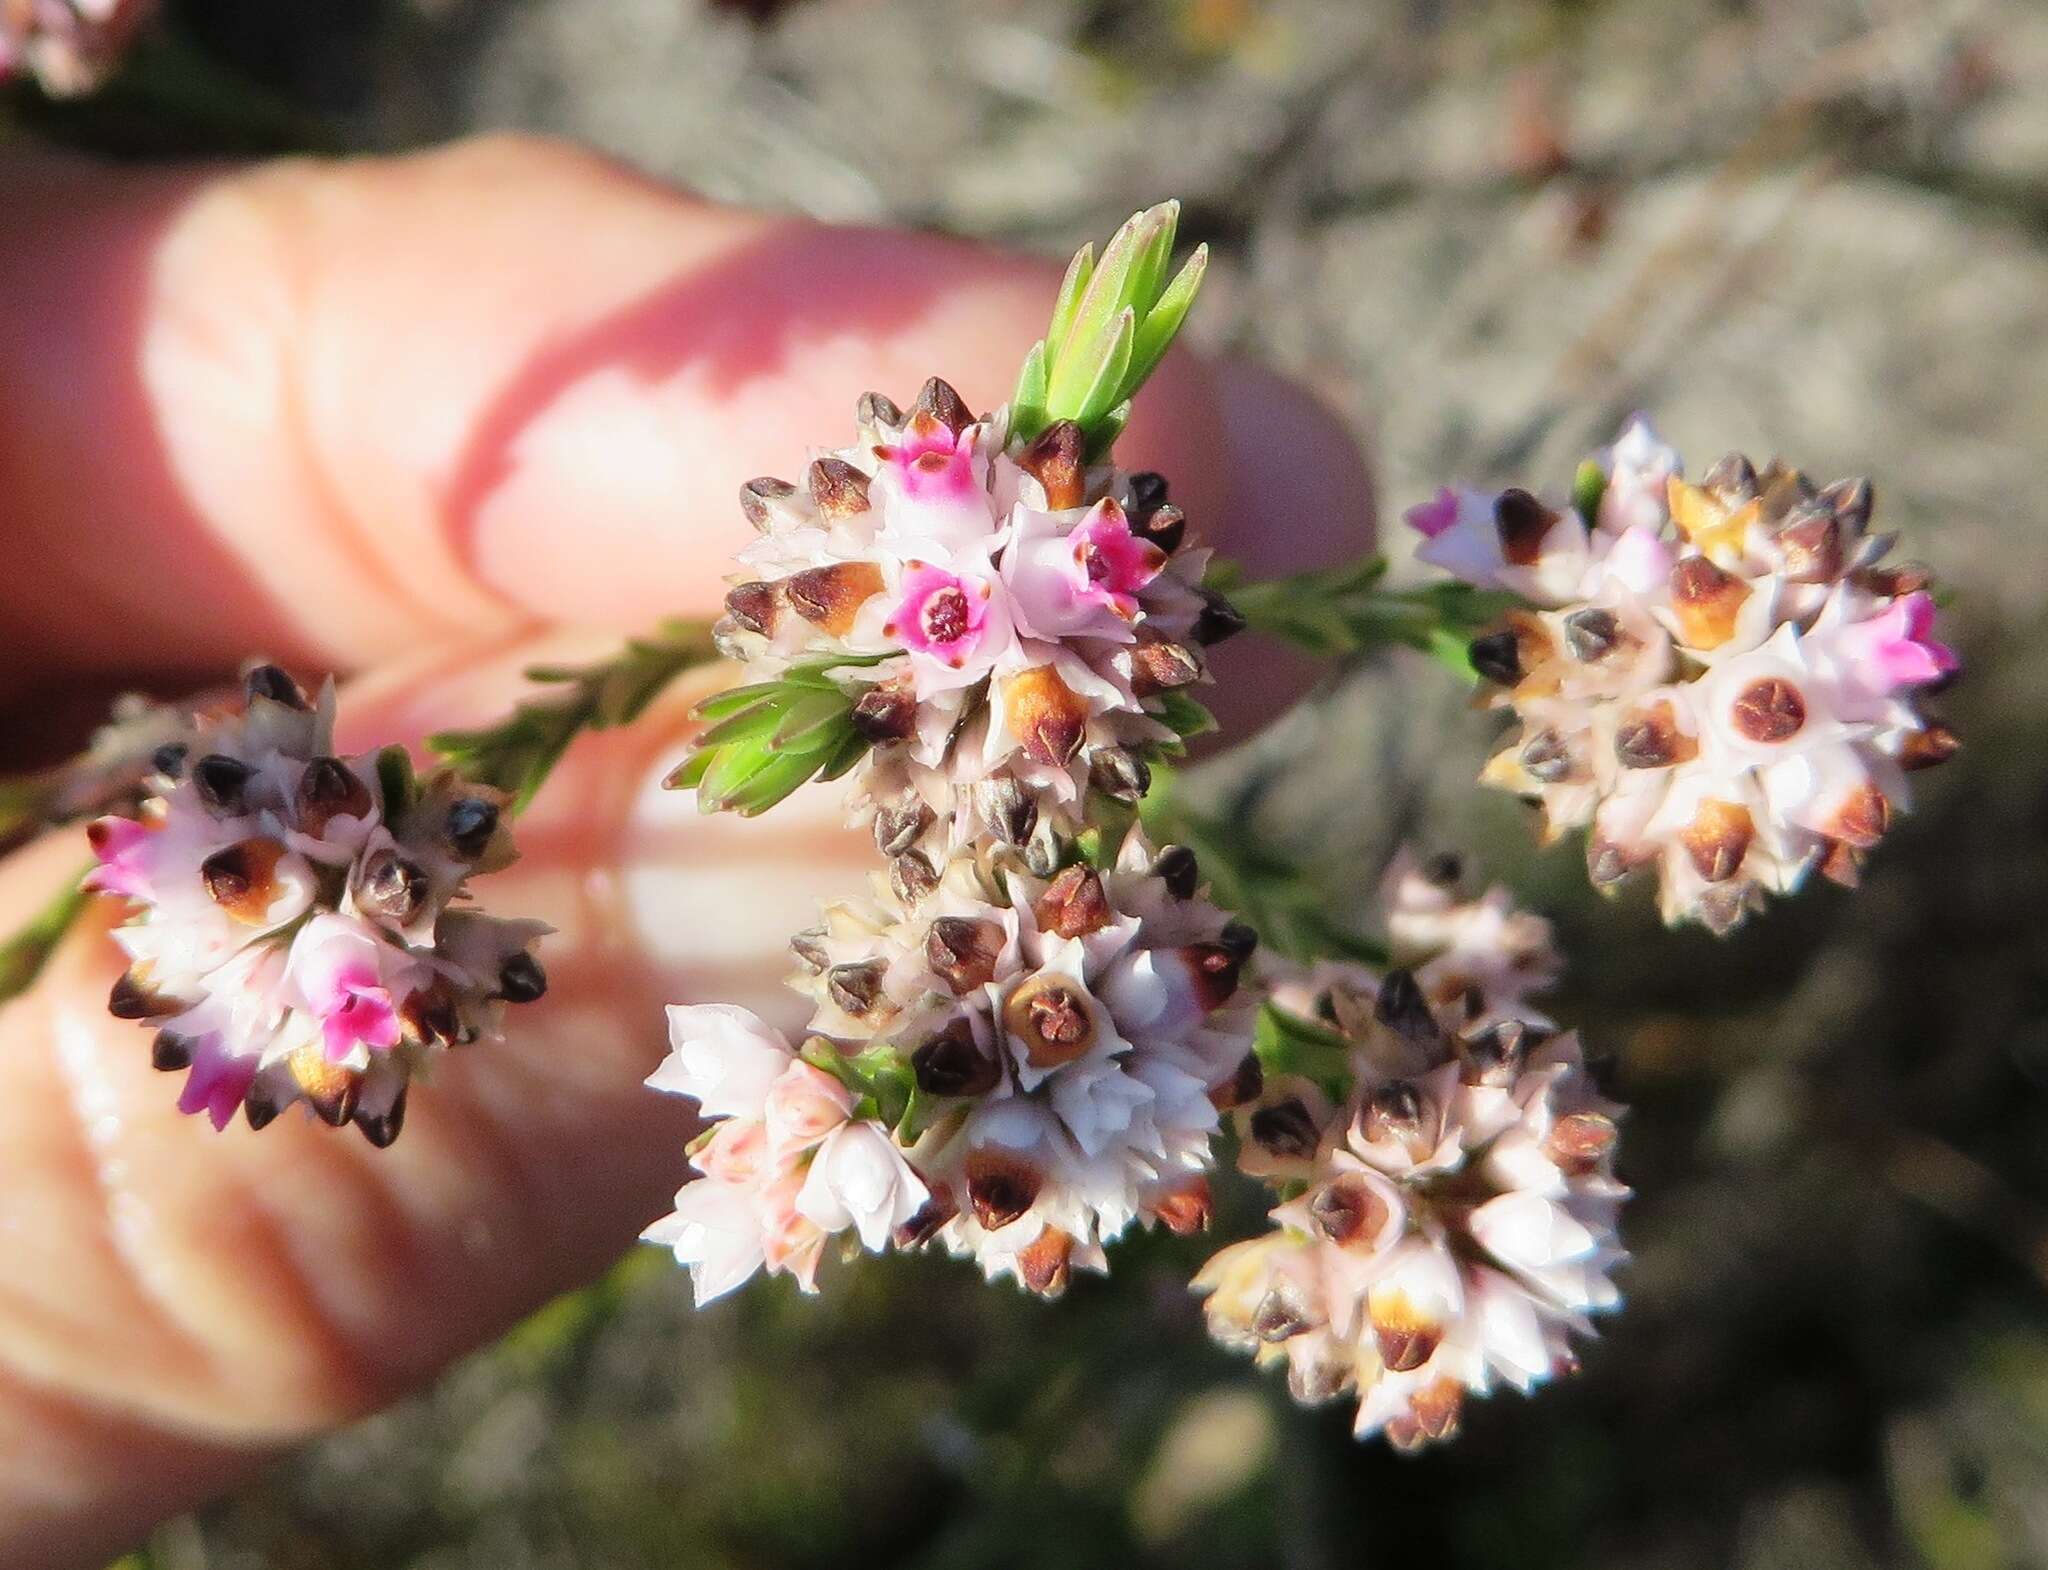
(519, 752)
(1343, 610)
(1111, 325)
(1288, 1044)
(23, 956)
(769, 738)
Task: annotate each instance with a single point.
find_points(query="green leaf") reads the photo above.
(395, 781)
(1588, 486)
(1287, 1044)
(1164, 320)
(23, 956)
(1027, 403)
(1079, 271)
(1184, 715)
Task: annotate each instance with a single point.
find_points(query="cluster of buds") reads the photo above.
(1024, 1065)
(68, 46)
(295, 933)
(1717, 679)
(1446, 1171)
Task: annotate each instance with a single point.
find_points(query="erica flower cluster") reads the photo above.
(1449, 1216)
(297, 929)
(68, 46)
(1006, 625)
(1012, 1067)
(1718, 680)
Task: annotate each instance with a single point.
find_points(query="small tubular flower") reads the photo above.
(1719, 681)
(291, 935)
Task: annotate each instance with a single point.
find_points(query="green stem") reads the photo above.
(1344, 610)
(519, 752)
(23, 956)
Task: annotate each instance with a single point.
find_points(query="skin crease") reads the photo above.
(409, 419)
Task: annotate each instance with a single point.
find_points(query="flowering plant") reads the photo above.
(1055, 1016)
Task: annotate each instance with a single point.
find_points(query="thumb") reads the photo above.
(175, 1304)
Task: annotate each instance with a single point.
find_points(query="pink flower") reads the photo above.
(217, 1083)
(1082, 582)
(943, 616)
(122, 846)
(804, 1105)
(1431, 518)
(1895, 649)
(338, 968)
(932, 463)
(737, 1152)
(929, 496)
(1111, 563)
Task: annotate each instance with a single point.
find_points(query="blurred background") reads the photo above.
(1486, 232)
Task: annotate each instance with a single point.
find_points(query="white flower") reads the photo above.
(859, 1179)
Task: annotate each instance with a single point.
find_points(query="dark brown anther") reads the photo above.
(381, 1129)
(1146, 490)
(886, 712)
(1406, 1345)
(1394, 1109)
(1810, 547)
(1580, 1141)
(1733, 480)
(1495, 1055)
(468, 828)
(899, 828)
(878, 409)
(762, 499)
(830, 597)
(1937, 743)
(1522, 523)
(1000, 1187)
(1178, 868)
(1073, 904)
(1285, 1129)
(937, 399)
(963, 951)
(521, 979)
(931, 1216)
(1722, 907)
(242, 879)
(1591, 634)
(1547, 757)
(1497, 656)
(1706, 602)
(1908, 577)
(1051, 1020)
(1280, 1316)
(169, 759)
(1215, 971)
(809, 947)
(1446, 869)
(1863, 817)
(1652, 740)
(1219, 619)
(1768, 710)
(1044, 1264)
(856, 987)
(330, 1090)
(839, 489)
(1161, 667)
(911, 876)
(1044, 715)
(1056, 461)
(1851, 501)
(1187, 1210)
(275, 683)
(330, 789)
(1238, 940)
(390, 887)
(951, 1064)
(1166, 527)
(170, 1052)
(1403, 1009)
(1242, 1088)
(1349, 1210)
(221, 782)
(134, 998)
(430, 1016)
(260, 1106)
(1120, 774)
(1718, 839)
(1008, 808)
(1606, 864)
(755, 606)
